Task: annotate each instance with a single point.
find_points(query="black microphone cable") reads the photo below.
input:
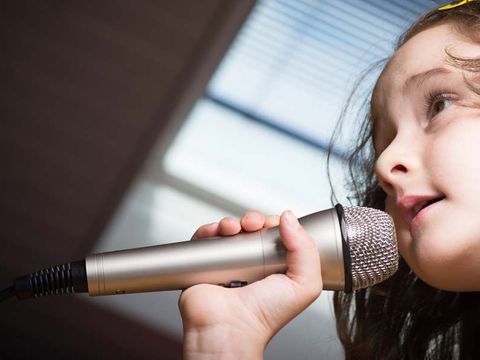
(7, 293)
(67, 278)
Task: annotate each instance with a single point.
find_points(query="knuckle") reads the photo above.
(228, 219)
(228, 224)
(252, 215)
(247, 214)
(204, 231)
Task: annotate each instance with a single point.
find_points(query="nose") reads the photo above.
(397, 164)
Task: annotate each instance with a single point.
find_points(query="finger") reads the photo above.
(229, 226)
(271, 221)
(252, 221)
(303, 260)
(207, 230)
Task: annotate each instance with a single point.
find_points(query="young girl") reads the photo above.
(421, 145)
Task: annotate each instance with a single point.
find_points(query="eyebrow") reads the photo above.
(413, 81)
(418, 79)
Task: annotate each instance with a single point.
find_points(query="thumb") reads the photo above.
(303, 259)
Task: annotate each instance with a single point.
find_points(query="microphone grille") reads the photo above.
(373, 245)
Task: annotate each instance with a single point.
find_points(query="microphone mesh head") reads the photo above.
(373, 246)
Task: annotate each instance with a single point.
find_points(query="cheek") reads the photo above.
(453, 158)
(448, 248)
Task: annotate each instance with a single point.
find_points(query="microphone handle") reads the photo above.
(229, 261)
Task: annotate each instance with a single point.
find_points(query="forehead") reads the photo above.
(423, 52)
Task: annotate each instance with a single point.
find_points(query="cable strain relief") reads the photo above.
(68, 278)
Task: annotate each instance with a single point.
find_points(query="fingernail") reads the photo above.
(291, 219)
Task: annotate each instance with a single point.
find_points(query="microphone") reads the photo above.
(357, 247)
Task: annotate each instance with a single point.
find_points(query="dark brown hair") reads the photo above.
(403, 317)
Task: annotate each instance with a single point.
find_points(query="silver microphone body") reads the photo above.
(229, 261)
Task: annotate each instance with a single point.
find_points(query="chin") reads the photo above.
(442, 277)
(442, 263)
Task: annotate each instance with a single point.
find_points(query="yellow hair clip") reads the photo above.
(454, 5)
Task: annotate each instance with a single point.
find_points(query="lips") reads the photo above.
(423, 205)
(411, 205)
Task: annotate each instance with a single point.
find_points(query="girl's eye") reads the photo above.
(436, 103)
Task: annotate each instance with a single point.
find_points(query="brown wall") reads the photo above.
(86, 88)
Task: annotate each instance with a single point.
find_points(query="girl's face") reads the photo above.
(427, 138)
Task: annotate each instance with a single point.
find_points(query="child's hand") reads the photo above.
(238, 322)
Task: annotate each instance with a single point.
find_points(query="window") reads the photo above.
(258, 140)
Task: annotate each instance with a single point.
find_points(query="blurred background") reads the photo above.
(127, 124)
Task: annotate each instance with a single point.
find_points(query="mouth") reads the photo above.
(422, 205)
(411, 206)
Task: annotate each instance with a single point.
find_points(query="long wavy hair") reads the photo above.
(403, 317)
